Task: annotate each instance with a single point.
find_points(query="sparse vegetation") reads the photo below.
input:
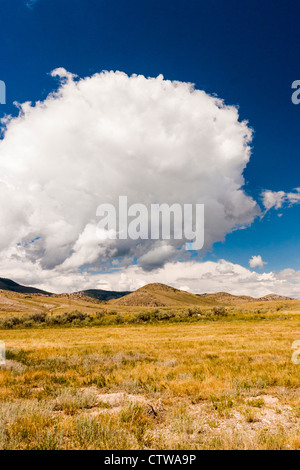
(222, 385)
(220, 311)
(80, 375)
(152, 315)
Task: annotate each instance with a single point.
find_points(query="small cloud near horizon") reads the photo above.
(256, 262)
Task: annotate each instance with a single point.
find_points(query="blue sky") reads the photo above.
(244, 52)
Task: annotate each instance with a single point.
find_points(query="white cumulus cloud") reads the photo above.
(256, 262)
(276, 199)
(153, 140)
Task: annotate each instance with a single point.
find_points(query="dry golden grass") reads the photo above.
(226, 384)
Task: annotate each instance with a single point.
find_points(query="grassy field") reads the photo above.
(229, 383)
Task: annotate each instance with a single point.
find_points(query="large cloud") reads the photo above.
(97, 138)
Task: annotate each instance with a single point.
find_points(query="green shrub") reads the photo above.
(143, 316)
(220, 311)
(75, 318)
(119, 318)
(37, 317)
(100, 314)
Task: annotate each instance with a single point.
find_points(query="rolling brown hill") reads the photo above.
(271, 297)
(161, 295)
(224, 298)
(16, 298)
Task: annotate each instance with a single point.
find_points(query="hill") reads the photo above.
(161, 295)
(151, 295)
(87, 295)
(104, 295)
(223, 298)
(229, 299)
(271, 297)
(8, 284)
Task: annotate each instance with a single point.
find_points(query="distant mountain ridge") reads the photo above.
(8, 284)
(104, 295)
(161, 295)
(230, 299)
(150, 295)
(98, 294)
